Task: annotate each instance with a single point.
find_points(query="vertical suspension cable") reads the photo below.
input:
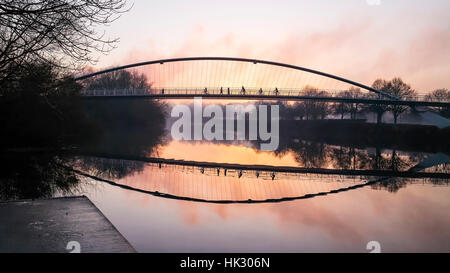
(215, 65)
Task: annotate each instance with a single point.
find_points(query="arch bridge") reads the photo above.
(233, 78)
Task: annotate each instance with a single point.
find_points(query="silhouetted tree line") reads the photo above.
(443, 95)
(127, 126)
(320, 155)
(311, 110)
(46, 113)
(107, 168)
(120, 79)
(42, 109)
(41, 43)
(35, 175)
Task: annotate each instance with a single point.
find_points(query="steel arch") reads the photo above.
(255, 61)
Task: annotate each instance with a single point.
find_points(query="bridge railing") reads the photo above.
(236, 91)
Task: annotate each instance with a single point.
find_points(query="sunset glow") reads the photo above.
(349, 38)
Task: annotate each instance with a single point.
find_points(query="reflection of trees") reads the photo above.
(109, 168)
(397, 163)
(310, 154)
(316, 155)
(128, 126)
(31, 121)
(35, 176)
(392, 184)
(348, 158)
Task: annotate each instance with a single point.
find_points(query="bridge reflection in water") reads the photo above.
(219, 185)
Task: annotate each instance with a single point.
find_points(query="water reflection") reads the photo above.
(152, 201)
(126, 134)
(39, 175)
(233, 184)
(119, 127)
(414, 219)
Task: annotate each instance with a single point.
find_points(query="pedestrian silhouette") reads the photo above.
(276, 91)
(243, 90)
(260, 91)
(221, 90)
(162, 91)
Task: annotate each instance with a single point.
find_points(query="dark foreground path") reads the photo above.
(48, 225)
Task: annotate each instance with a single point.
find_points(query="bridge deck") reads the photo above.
(255, 95)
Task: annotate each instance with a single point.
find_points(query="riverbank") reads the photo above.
(57, 225)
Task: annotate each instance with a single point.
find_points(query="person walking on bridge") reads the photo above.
(276, 91)
(243, 90)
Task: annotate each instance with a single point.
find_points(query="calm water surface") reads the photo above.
(196, 207)
(403, 214)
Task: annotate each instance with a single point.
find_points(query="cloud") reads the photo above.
(361, 51)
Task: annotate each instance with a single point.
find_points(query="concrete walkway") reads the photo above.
(57, 225)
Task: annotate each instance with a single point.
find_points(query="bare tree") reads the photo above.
(401, 90)
(354, 92)
(341, 108)
(379, 109)
(315, 109)
(121, 79)
(441, 95)
(60, 32)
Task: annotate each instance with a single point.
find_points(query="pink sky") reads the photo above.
(361, 42)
